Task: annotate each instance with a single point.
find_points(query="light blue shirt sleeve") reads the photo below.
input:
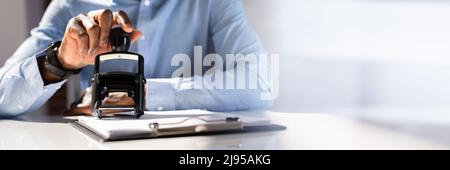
(230, 34)
(21, 86)
(169, 27)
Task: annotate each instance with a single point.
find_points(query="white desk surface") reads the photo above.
(304, 131)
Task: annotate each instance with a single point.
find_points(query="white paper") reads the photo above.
(114, 127)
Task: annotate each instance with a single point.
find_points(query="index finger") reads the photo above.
(104, 18)
(122, 19)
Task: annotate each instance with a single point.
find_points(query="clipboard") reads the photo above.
(171, 124)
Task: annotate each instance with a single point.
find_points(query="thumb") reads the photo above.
(135, 35)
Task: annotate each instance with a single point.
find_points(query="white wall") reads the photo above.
(340, 54)
(335, 54)
(18, 17)
(13, 28)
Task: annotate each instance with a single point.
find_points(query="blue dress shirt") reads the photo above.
(169, 27)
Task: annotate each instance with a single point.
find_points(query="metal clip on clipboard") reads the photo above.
(176, 128)
(172, 123)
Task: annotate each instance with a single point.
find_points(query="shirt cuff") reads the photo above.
(35, 82)
(160, 94)
(34, 79)
(27, 86)
(32, 76)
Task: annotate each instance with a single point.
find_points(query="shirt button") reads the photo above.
(147, 2)
(142, 37)
(159, 108)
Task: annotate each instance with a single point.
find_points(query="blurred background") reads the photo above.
(354, 55)
(337, 56)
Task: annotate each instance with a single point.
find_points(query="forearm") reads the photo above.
(179, 94)
(22, 86)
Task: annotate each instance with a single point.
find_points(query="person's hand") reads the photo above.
(87, 35)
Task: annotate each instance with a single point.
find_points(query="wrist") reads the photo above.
(47, 76)
(63, 63)
(52, 64)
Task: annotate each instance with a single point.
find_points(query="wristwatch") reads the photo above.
(52, 64)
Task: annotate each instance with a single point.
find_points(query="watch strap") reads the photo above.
(52, 63)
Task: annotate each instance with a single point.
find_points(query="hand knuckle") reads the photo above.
(73, 22)
(82, 35)
(81, 16)
(94, 28)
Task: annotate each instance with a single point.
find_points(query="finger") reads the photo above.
(135, 35)
(118, 99)
(121, 18)
(93, 31)
(78, 111)
(79, 33)
(104, 18)
(115, 97)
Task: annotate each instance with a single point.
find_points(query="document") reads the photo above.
(168, 123)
